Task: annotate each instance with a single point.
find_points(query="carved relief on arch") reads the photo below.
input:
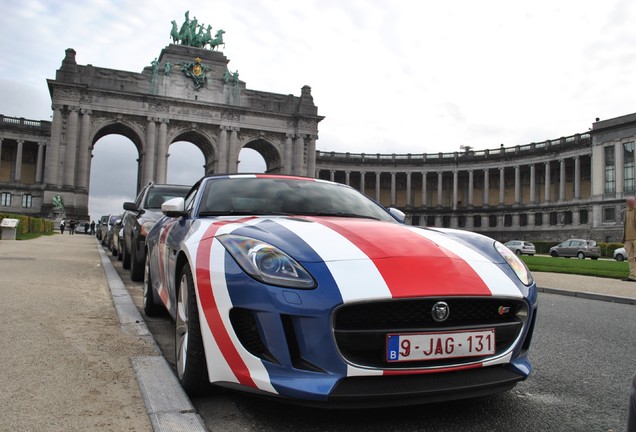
(204, 138)
(103, 124)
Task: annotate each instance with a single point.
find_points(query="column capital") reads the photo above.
(86, 111)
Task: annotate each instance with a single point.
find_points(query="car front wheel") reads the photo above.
(136, 265)
(580, 255)
(189, 353)
(619, 257)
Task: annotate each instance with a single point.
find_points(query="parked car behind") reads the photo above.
(140, 216)
(106, 228)
(520, 247)
(576, 248)
(620, 254)
(102, 228)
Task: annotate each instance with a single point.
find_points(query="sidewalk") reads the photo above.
(76, 353)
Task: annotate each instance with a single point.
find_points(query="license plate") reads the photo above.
(436, 346)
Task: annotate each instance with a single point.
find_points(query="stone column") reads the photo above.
(424, 189)
(299, 153)
(408, 189)
(311, 156)
(577, 178)
(287, 156)
(362, 173)
(561, 180)
(162, 152)
(348, 178)
(547, 183)
(471, 186)
(533, 181)
(40, 161)
(84, 149)
(332, 175)
(502, 185)
(439, 188)
(51, 171)
(377, 186)
(486, 188)
(149, 151)
(18, 161)
(393, 197)
(455, 188)
(71, 147)
(232, 167)
(619, 169)
(517, 185)
(223, 149)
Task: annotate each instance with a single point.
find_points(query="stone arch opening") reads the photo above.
(272, 158)
(186, 164)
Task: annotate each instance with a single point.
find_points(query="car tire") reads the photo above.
(150, 307)
(125, 257)
(580, 255)
(518, 252)
(136, 266)
(189, 352)
(619, 257)
(554, 254)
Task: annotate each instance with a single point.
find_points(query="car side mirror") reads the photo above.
(174, 207)
(398, 214)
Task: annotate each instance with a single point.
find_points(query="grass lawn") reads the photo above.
(601, 268)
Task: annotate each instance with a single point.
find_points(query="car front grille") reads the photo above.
(361, 329)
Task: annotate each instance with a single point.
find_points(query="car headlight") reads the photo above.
(266, 263)
(518, 266)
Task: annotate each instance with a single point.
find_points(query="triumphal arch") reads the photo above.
(188, 93)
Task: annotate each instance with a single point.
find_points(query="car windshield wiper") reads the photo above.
(336, 214)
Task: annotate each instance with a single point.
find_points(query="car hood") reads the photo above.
(408, 260)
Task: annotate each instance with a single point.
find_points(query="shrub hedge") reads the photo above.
(30, 225)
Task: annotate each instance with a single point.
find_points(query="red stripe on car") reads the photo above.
(210, 309)
(410, 265)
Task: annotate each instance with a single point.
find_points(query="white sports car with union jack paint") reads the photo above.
(309, 291)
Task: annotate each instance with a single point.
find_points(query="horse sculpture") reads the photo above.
(218, 40)
(174, 33)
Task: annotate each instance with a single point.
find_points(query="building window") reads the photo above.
(567, 218)
(553, 218)
(446, 221)
(628, 155)
(27, 201)
(415, 220)
(523, 219)
(461, 221)
(610, 170)
(430, 220)
(609, 214)
(492, 221)
(583, 217)
(5, 199)
(507, 220)
(477, 221)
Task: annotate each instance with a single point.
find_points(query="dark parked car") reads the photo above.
(576, 248)
(140, 216)
(107, 229)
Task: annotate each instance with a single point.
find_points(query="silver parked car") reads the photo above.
(578, 248)
(620, 254)
(520, 247)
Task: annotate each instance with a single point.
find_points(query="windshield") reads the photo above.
(262, 195)
(157, 196)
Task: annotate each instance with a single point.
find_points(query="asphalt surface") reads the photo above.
(77, 354)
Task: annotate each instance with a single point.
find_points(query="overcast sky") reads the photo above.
(404, 76)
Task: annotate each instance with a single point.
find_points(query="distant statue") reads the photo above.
(58, 202)
(227, 76)
(235, 77)
(191, 33)
(167, 68)
(218, 40)
(174, 33)
(155, 66)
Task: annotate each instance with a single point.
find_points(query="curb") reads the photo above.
(167, 404)
(589, 295)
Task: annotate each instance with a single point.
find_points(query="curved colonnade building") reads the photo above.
(569, 187)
